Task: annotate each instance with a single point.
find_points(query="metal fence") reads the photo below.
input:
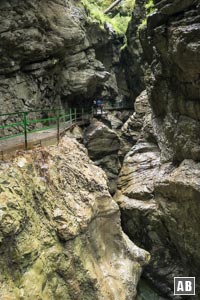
(24, 123)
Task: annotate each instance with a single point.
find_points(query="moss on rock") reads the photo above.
(60, 230)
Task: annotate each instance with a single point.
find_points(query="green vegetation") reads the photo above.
(150, 8)
(142, 24)
(119, 22)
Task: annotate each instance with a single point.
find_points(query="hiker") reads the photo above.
(95, 106)
(100, 104)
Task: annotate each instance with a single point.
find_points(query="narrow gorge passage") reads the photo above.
(112, 211)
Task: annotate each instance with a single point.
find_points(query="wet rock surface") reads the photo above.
(159, 206)
(166, 206)
(60, 233)
(138, 126)
(103, 145)
(173, 32)
(51, 56)
(158, 186)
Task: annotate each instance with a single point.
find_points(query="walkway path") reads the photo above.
(46, 137)
(42, 137)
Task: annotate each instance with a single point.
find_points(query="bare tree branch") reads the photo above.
(112, 6)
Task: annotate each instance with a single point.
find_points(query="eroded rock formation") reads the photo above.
(103, 145)
(138, 126)
(173, 85)
(60, 232)
(51, 56)
(158, 188)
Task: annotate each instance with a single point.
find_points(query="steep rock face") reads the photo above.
(159, 206)
(158, 188)
(49, 55)
(172, 50)
(60, 234)
(33, 42)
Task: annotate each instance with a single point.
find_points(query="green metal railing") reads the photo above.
(23, 123)
(26, 122)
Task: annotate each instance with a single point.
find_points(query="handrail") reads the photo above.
(24, 124)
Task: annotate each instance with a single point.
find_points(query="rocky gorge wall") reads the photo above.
(51, 56)
(60, 231)
(158, 186)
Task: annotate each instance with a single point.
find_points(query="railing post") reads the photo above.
(82, 113)
(75, 115)
(70, 116)
(64, 118)
(58, 125)
(25, 130)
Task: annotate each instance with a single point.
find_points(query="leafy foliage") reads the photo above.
(150, 8)
(119, 23)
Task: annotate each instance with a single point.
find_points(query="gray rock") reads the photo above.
(138, 126)
(103, 145)
(173, 79)
(158, 190)
(100, 140)
(140, 167)
(159, 207)
(58, 229)
(52, 57)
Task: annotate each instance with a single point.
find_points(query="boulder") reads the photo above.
(138, 126)
(103, 145)
(100, 140)
(137, 175)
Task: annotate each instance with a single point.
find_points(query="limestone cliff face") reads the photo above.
(173, 34)
(158, 187)
(60, 232)
(51, 55)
